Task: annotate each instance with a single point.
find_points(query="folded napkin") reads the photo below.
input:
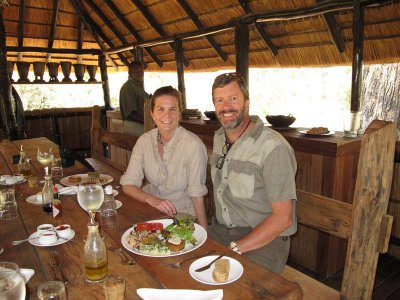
(68, 190)
(27, 274)
(172, 294)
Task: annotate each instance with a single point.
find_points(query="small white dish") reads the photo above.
(118, 204)
(64, 230)
(179, 294)
(19, 177)
(47, 238)
(45, 227)
(235, 272)
(11, 180)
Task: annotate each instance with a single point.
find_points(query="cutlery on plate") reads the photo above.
(206, 267)
(179, 264)
(15, 243)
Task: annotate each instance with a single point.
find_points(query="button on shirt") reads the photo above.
(259, 169)
(181, 173)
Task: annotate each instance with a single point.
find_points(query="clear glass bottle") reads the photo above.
(108, 210)
(95, 255)
(24, 166)
(47, 193)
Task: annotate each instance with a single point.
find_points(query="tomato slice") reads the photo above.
(152, 226)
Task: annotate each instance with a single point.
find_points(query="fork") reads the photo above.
(179, 264)
(57, 263)
(125, 259)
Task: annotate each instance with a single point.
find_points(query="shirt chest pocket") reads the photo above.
(241, 185)
(178, 176)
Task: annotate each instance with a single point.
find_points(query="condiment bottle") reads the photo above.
(56, 203)
(24, 167)
(47, 193)
(108, 210)
(95, 255)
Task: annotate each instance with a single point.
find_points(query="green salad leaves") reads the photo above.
(183, 227)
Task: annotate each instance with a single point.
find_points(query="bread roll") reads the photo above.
(221, 270)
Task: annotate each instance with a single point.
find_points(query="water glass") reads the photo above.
(56, 169)
(351, 123)
(8, 205)
(12, 285)
(114, 288)
(54, 290)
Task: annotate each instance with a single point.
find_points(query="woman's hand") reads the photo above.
(163, 205)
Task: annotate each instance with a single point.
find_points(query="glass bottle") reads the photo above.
(56, 204)
(24, 166)
(47, 193)
(95, 255)
(108, 210)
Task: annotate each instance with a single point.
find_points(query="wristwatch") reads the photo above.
(235, 247)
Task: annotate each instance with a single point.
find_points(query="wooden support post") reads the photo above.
(179, 57)
(95, 132)
(242, 43)
(104, 80)
(358, 43)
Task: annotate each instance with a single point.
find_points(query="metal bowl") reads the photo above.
(280, 120)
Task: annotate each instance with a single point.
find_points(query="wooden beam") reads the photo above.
(104, 79)
(80, 34)
(53, 23)
(199, 24)
(358, 44)
(242, 44)
(180, 70)
(260, 29)
(334, 30)
(93, 28)
(21, 18)
(107, 22)
(53, 50)
(153, 23)
(132, 30)
(321, 8)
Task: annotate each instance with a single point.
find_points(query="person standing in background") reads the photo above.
(131, 100)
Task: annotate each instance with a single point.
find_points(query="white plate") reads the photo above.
(33, 199)
(60, 241)
(179, 294)
(84, 179)
(3, 182)
(323, 134)
(200, 234)
(235, 272)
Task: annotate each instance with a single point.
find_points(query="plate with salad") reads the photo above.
(164, 237)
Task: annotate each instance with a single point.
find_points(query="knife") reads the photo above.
(206, 267)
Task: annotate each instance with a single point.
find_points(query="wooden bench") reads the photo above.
(364, 223)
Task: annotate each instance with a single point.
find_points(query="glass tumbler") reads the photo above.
(8, 205)
(54, 290)
(56, 169)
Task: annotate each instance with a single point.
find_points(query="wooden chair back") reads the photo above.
(363, 223)
(100, 136)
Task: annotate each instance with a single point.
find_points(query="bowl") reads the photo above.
(64, 230)
(211, 114)
(280, 120)
(47, 238)
(45, 228)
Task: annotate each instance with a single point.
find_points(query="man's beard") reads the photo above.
(234, 123)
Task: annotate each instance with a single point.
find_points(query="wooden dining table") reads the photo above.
(256, 282)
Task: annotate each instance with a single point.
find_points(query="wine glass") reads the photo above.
(90, 198)
(45, 157)
(12, 285)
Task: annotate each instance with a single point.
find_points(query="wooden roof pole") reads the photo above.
(53, 26)
(358, 43)
(180, 68)
(104, 80)
(242, 43)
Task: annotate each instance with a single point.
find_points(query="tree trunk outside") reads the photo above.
(381, 94)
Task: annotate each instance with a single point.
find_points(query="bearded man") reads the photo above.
(253, 171)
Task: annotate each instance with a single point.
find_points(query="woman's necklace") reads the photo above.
(229, 145)
(160, 140)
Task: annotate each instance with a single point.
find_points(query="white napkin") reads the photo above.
(175, 294)
(27, 274)
(68, 190)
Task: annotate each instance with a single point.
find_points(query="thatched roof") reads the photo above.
(282, 33)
